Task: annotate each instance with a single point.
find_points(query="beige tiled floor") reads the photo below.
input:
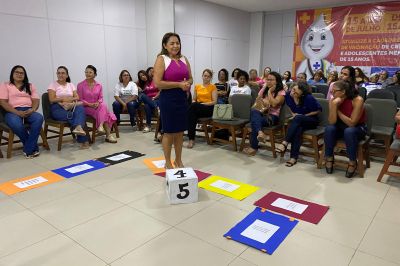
(119, 215)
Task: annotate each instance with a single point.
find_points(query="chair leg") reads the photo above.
(385, 167)
(316, 148)
(244, 137)
(157, 128)
(233, 133)
(212, 135)
(60, 137)
(387, 141)
(360, 161)
(10, 144)
(272, 140)
(93, 132)
(205, 128)
(321, 157)
(367, 156)
(44, 140)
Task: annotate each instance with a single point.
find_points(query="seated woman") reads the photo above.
(361, 78)
(149, 97)
(65, 105)
(347, 73)
(204, 99)
(254, 80)
(91, 94)
(287, 77)
(305, 109)
(332, 77)
(272, 96)
(241, 87)
(233, 81)
(126, 97)
(20, 100)
(347, 119)
(266, 72)
(317, 78)
(222, 86)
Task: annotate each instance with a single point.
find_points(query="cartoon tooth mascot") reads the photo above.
(316, 44)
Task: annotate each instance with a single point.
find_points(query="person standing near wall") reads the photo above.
(173, 76)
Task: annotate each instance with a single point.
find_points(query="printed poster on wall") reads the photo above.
(365, 36)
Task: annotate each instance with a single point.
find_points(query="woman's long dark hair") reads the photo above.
(66, 70)
(147, 72)
(26, 86)
(279, 84)
(165, 40)
(305, 89)
(352, 76)
(142, 83)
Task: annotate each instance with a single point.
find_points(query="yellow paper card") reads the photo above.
(29, 182)
(156, 165)
(228, 187)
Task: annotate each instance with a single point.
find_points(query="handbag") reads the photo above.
(223, 112)
(260, 106)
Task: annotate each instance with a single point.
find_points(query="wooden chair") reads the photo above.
(241, 105)
(10, 138)
(391, 159)
(93, 129)
(59, 125)
(362, 150)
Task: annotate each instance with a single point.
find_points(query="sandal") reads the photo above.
(190, 144)
(290, 163)
(282, 151)
(111, 139)
(250, 151)
(329, 170)
(351, 174)
(262, 138)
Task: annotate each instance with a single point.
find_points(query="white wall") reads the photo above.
(279, 40)
(212, 36)
(256, 41)
(41, 35)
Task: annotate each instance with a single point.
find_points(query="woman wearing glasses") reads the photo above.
(20, 100)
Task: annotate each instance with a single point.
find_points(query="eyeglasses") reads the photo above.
(19, 73)
(126, 75)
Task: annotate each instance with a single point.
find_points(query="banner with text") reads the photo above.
(367, 36)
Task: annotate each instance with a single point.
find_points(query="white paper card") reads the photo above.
(290, 205)
(79, 168)
(159, 164)
(225, 185)
(118, 157)
(260, 231)
(31, 182)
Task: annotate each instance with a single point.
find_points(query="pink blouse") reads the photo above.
(88, 95)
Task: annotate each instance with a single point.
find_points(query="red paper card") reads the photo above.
(200, 175)
(293, 207)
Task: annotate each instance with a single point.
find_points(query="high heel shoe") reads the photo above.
(351, 174)
(329, 170)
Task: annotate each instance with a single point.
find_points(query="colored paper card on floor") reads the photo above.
(262, 230)
(228, 187)
(200, 175)
(79, 168)
(156, 165)
(29, 182)
(293, 207)
(119, 157)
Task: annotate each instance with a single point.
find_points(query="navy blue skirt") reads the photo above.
(173, 109)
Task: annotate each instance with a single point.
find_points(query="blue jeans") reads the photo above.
(295, 131)
(28, 136)
(351, 136)
(76, 118)
(258, 121)
(131, 106)
(149, 106)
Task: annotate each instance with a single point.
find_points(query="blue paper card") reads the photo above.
(262, 230)
(79, 168)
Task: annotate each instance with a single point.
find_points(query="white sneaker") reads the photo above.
(146, 129)
(101, 130)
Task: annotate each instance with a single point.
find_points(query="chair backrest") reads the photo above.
(362, 92)
(46, 105)
(318, 95)
(395, 89)
(381, 94)
(322, 88)
(2, 114)
(254, 94)
(369, 111)
(324, 114)
(241, 105)
(385, 110)
(284, 114)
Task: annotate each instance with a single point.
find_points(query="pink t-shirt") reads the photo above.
(150, 89)
(273, 110)
(17, 98)
(66, 90)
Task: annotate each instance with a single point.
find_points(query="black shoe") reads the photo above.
(329, 170)
(351, 174)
